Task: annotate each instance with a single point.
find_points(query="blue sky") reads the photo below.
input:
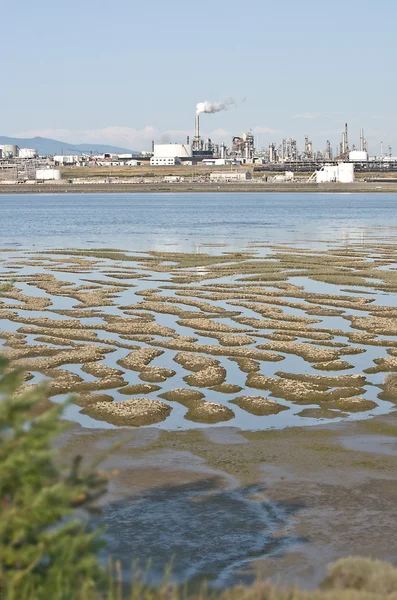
(125, 72)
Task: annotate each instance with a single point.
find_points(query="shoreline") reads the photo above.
(246, 187)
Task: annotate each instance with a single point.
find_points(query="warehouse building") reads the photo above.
(226, 176)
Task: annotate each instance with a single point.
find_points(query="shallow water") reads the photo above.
(185, 222)
(182, 221)
(210, 531)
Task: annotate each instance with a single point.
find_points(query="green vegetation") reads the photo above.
(45, 552)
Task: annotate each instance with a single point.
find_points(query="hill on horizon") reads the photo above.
(47, 146)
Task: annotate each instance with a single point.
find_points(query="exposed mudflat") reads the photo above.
(254, 388)
(225, 504)
(268, 336)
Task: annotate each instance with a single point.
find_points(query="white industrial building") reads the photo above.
(67, 159)
(209, 162)
(358, 156)
(225, 176)
(27, 153)
(172, 151)
(340, 173)
(48, 174)
(164, 161)
(9, 150)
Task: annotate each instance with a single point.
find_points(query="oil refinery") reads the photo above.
(325, 165)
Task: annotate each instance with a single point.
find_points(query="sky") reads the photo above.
(127, 72)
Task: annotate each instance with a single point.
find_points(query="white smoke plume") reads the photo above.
(213, 107)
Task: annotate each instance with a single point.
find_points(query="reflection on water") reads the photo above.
(182, 221)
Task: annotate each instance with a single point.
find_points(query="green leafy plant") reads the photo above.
(46, 548)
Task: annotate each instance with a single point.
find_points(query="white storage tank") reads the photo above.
(345, 173)
(27, 153)
(172, 150)
(9, 150)
(326, 174)
(48, 174)
(358, 155)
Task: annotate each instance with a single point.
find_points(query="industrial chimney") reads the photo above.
(196, 143)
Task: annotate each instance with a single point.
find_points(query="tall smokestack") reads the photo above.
(362, 139)
(196, 142)
(346, 139)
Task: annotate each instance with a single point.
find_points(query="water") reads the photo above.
(209, 531)
(181, 221)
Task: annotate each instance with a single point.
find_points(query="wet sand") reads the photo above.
(279, 503)
(225, 354)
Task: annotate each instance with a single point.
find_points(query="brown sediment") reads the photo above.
(139, 388)
(83, 313)
(360, 337)
(389, 388)
(137, 326)
(308, 352)
(201, 411)
(139, 359)
(208, 377)
(321, 413)
(13, 339)
(134, 412)
(227, 388)
(273, 313)
(280, 337)
(259, 405)
(27, 351)
(352, 404)
(195, 362)
(229, 339)
(101, 370)
(74, 335)
(26, 302)
(286, 326)
(55, 341)
(142, 317)
(207, 324)
(182, 395)
(146, 339)
(85, 398)
(322, 311)
(302, 392)
(378, 325)
(182, 344)
(330, 381)
(333, 365)
(387, 363)
(247, 365)
(79, 354)
(156, 374)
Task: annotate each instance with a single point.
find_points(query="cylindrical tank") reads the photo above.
(346, 173)
(27, 153)
(9, 150)
(48, 174)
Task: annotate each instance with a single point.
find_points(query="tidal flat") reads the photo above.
(262, 338)
(250, 393)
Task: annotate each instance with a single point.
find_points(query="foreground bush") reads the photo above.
(47, 551)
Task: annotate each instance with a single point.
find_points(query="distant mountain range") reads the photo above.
(45, 146)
